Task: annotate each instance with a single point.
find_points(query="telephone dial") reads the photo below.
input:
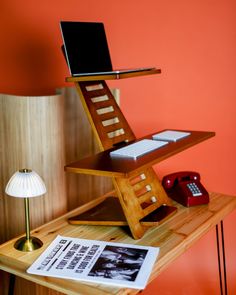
(185, 188)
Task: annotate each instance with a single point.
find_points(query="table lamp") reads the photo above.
(26, 184)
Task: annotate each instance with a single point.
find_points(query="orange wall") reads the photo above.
(194, 43)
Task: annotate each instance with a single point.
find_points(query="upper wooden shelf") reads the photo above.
(113, 76)
(103, 164)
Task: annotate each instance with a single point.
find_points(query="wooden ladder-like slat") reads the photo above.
(100, 106)
(140, 198)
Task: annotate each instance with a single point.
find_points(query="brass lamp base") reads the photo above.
(28, 245)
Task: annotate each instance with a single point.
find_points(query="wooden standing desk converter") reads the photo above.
(174, 237)
(141, 201)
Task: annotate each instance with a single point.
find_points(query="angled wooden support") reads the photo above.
(140, 196)
(139, 201)
(107, 121)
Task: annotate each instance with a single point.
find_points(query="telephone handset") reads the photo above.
(185, 188)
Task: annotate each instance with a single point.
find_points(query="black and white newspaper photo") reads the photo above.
(117, 264)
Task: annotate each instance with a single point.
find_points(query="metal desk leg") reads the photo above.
(11, 284)
(221, 258)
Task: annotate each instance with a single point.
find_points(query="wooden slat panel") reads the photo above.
(95, 120)
(130, 202)
(44, 133)
(80, 143)
(31, 137)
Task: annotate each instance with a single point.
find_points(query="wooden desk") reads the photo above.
(173, 237)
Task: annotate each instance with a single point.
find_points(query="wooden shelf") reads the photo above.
(113, 76)
(103, 164)
(109, 212)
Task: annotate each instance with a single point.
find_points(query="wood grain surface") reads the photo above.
(44, 133)
(174, 237)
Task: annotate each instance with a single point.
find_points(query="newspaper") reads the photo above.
(116, 264)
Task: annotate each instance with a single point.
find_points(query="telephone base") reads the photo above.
(189, 201)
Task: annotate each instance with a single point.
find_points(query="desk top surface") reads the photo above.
(173, 237)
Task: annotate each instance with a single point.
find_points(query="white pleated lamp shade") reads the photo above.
(25, 183)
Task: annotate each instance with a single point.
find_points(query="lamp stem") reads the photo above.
(27, 219)
(27, 243)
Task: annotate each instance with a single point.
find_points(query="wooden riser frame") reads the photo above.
(139, 196)
(107, 121)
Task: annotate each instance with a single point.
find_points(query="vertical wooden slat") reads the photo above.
(91, 109)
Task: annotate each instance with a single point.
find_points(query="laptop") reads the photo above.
(86, 49)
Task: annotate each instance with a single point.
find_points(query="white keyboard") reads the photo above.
(170, 135)
(138, 149)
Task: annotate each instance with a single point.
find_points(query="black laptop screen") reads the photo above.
(86, 47)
